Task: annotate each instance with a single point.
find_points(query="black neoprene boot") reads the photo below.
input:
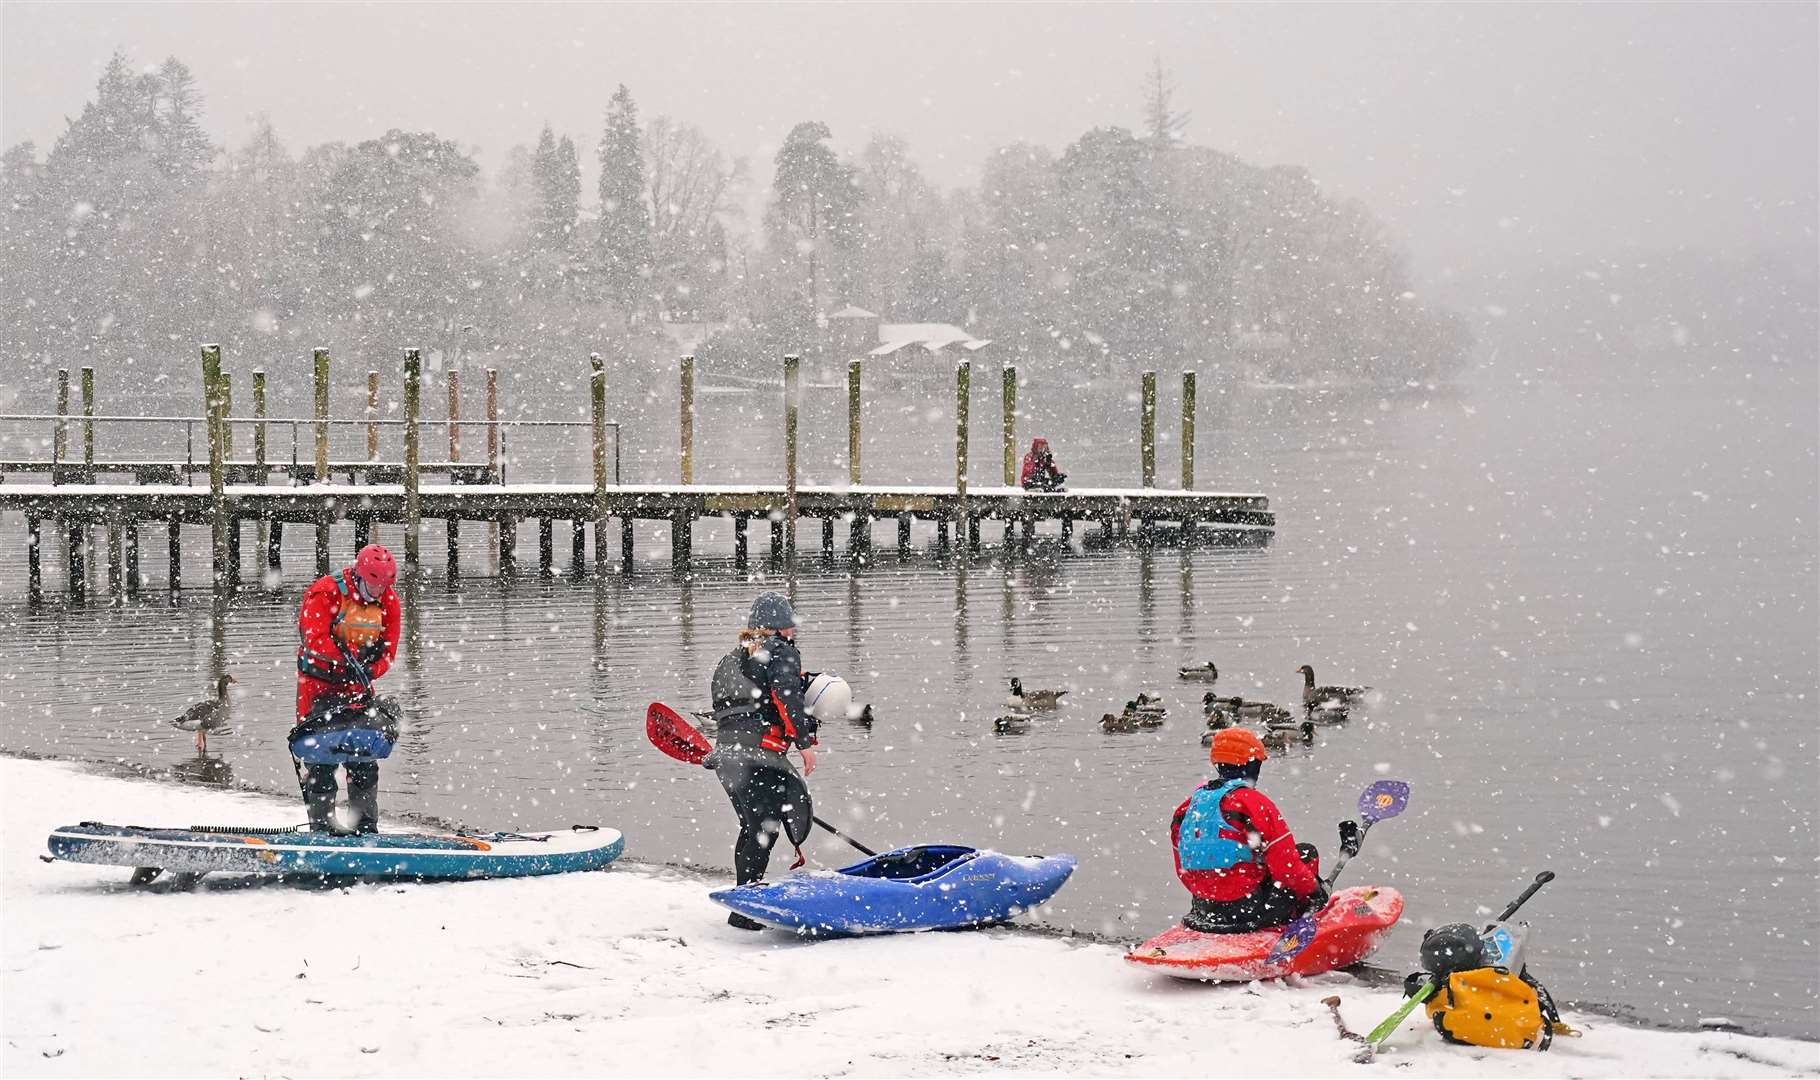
(740, 922)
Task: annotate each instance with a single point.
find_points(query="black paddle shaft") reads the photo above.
(856, 844)
(1542, 879)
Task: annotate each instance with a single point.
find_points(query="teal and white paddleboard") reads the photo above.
(413, 855)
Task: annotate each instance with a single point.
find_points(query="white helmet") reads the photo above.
(828, 697)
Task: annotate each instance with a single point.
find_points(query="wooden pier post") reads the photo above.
(413, 501)
(508, 547)
(133, 578)
(78, 561)
(827, 538)
(597, 403)
(903, 534)
(859, 537)
(493, 474)
(546, 547)
(578, 546)
(1187, 431)
(60, 433)
(274, 550)
(34, 567)
(853, 419)
(628, 545)
(174, 577)
(792, 386)
(88, 425)
(320, 362)
(963, 404)
(1189, 528)
(741, 544)
(320, 369)
(1010, 396)
(233, 551)
(493, 425)
(116, 558)
(1147, 430)
(211, 397)
(227, 416)
(963, 401)
(777, 536)
(227, 459)
(686, 396)
(259, 415)
(259, 450)
(453, 524)
(372, 415)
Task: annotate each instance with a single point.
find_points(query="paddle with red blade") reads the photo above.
(1382, 800)
(679, 739)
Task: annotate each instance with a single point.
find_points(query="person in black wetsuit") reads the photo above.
(759, 717)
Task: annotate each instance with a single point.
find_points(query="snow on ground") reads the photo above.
(631, 970)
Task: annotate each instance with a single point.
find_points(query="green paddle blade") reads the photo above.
(1382, 1031)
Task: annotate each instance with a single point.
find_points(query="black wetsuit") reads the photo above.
(758, 713)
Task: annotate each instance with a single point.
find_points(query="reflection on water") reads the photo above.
(1593, 636)
(209, 770)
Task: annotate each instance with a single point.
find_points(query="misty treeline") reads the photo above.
(134, 236)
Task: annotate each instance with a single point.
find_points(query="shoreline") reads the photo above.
(1368, 973)
(633, 970)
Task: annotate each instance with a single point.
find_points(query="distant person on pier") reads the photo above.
(1040, 473)
(1234, 852)
(760, 718)
(348, 630)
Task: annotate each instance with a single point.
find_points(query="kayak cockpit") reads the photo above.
(912, 864)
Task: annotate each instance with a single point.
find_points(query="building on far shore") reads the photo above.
(857, 334)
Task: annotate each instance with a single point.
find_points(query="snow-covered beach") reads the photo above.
(633, 971)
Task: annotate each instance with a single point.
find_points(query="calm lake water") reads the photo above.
(1589, 606)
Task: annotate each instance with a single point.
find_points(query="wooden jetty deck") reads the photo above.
(394, 492)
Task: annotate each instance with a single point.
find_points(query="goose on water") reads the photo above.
(1033, 699)
(1237, 709)
(206, 716)
(1327, 697)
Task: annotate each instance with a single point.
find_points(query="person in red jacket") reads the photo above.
(1040, 472)
(1234, 852)
(348, 636)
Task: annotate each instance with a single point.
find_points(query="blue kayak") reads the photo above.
(931, 887)
(413, 855)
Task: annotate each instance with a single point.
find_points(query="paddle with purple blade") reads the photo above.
(1383, 799)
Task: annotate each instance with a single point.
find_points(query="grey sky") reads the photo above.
(1476, 131)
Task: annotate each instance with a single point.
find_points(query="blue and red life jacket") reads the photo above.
(1199, 845)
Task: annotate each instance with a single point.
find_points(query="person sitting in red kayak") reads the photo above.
(1040, 472)
(1234, 852)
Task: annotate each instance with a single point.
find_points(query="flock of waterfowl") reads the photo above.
(1276, 725)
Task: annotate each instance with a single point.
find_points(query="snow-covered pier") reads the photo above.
(317, 492)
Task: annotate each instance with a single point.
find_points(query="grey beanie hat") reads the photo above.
(771, 611)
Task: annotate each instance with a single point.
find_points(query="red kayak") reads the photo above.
(1346, 932)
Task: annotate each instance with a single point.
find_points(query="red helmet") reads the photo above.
(376, 567)
(1237, 746)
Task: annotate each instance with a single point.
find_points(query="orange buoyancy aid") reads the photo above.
(358, 625)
